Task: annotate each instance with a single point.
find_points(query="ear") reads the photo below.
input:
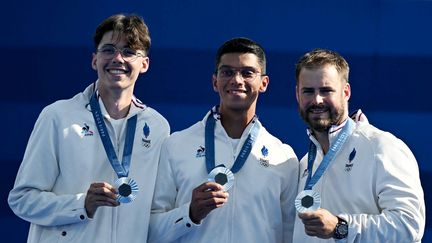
(214, 82)
(94, 61)
(145, 65)
(297, 92)
(265, 80)
(347, 91)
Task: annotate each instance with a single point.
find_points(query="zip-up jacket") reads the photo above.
(260, 207)
(65, 155)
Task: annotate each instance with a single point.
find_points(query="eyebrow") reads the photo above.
(110, 44)
(244, 67)
(325, 88)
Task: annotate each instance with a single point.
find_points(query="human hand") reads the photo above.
(320, 223)
(205, 198)
(100, 194)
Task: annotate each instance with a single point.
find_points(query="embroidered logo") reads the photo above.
(146, 132)
(350, 164)
(305, 173)
(85, 130)
(200, 152)
(263, 160)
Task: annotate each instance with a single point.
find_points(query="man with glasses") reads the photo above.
(226, 179)
(90, 165)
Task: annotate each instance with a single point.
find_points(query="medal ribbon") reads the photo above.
(340, 140)
(210, 145)
(122, 170)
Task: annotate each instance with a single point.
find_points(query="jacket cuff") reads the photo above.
(184, 221)
(81, 212)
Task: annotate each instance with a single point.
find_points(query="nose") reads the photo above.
(318, 99)
(118, 56)
(237, 77)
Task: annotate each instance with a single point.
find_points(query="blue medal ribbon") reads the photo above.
(340, 140)
(122, 170)
(210, 145)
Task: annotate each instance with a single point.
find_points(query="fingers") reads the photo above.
(103, 188)
(209, 186)
(100, 194)
(205, 198)
(310, 218)
(320, 223)
(209, 194)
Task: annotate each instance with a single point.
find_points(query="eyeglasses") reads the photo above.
(128, 54)
(247, 73)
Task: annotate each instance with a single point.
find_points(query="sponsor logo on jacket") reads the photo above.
(85, 130)
(200, 152)
(305, 173)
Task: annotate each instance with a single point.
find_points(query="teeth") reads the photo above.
(116, 71)
(315, 111)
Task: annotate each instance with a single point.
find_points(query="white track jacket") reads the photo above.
(260, 207)
(373, 183)
(65, 155)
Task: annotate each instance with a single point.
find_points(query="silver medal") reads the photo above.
(222, 176)
(307, 201)
(127, 189)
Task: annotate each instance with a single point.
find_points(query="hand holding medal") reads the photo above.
(100, 194)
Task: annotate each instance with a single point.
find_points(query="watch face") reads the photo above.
(342, 229)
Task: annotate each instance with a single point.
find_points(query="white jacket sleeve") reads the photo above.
(289, 194)
(32, 198)
(168, 221)
(399, 196)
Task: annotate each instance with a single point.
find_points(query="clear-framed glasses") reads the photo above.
(247, 73)
(128, 54)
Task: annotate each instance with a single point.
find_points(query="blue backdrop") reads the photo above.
(47, 48)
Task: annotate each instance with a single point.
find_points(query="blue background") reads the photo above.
(46, 51)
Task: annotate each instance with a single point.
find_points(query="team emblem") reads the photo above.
(349, 165)
(263, 160)
(146, 132)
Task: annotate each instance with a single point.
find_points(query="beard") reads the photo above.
(335, 117)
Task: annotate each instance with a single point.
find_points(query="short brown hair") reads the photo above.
(321, 57)
(132, 27)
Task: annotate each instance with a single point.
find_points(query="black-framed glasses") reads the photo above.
(247, 73)
(128, 54)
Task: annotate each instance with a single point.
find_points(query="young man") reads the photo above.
(89, 157)
(226, 179)
(357, 183)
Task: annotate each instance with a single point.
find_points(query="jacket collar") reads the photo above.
(136, 105)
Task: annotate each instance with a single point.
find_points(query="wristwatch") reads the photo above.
(341, 230)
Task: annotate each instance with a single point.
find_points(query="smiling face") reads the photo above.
(116, 73)
(322, 95)
(236, 93)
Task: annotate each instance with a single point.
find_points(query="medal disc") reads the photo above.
(307, 201)
(222, 176)
(127, 189)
